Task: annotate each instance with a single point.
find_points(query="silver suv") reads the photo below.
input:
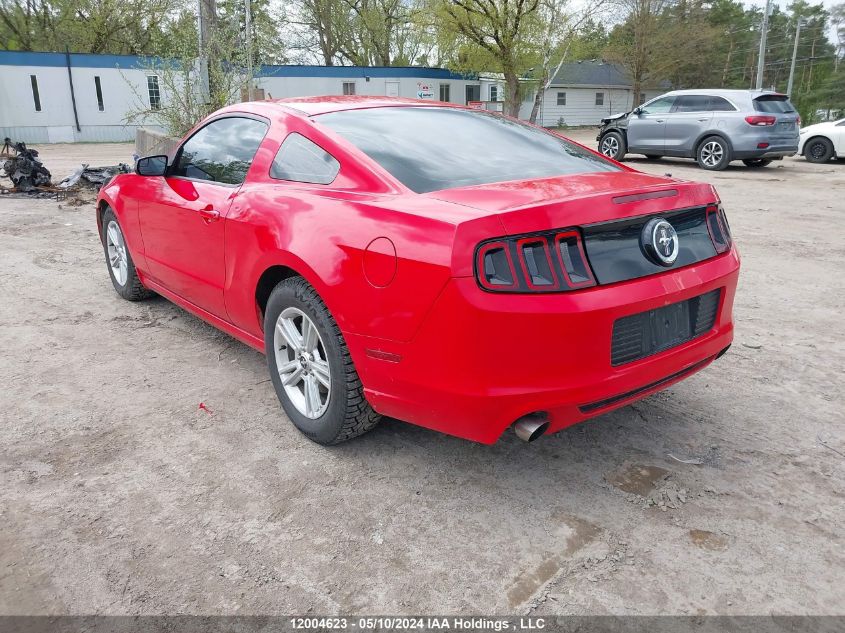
(712, 126)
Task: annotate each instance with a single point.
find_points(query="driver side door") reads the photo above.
(647, 128)
(183, 215)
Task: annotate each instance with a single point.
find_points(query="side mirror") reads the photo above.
(638, 111)
(151, 166)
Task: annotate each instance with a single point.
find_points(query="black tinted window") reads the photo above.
(718, 104)
(301, 160)
(692, 103)
(773, 103)
(222, 151)
(439, 148)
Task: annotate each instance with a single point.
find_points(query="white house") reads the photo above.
(581, 93)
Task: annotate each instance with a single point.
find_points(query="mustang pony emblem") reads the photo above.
(659, 241)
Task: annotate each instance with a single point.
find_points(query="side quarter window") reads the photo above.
(301, 160)
(718, 104)
(222, 151)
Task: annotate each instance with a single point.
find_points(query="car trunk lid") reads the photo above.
(566, 201)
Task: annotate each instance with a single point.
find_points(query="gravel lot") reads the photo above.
(120, 495)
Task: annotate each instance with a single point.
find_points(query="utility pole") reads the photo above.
(248, 22)
(761, 58)
(794, 56)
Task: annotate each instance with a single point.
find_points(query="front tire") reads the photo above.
(714, 153)
(757, 162)
(818, 150)
(613, 146)
(122, 271)
(310, 366)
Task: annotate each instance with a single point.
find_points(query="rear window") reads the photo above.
(776, 104)
(428, 149)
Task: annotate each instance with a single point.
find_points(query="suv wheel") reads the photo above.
(613, 145)
(818, 150)
(311, 368)
(713, 153)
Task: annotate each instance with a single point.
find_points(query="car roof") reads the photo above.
(724, 92)
(334, 103)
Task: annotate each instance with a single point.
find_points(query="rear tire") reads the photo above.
(713, 153)
(757, 162)
(613, 146)
(122, 271)
(311, 369)
(818, 150)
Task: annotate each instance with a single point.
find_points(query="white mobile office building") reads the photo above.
(61, 98)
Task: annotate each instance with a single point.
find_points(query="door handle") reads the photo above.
(703, 120)
(209, 214)
(660, 120)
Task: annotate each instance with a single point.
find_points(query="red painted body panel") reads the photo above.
(395, 268)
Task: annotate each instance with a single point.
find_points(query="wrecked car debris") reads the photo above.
(94, 177)
(24, 168)
(30, 177)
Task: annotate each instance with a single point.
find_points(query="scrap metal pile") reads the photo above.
(23, 167)
(29, 176)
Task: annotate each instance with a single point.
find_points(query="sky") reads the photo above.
(783, 4)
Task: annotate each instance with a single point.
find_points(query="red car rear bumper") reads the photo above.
(482, 360)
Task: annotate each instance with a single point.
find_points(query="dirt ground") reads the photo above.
(120, 495)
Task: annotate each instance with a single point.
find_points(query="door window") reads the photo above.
(222, 151)
(692, 103)
(658, 106)
(300, 160)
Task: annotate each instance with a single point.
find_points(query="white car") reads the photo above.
(820, 142)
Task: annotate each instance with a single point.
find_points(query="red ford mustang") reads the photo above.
(449, 267)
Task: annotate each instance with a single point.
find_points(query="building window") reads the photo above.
(99, 89)
(642, 98)
(494, 93)
(473, 93)
(35, 96)
(561, 98)
(444, 92)
(155, 94)
(599, 98)
(349, 87)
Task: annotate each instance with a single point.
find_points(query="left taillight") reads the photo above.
(546, 262)
(717, 225)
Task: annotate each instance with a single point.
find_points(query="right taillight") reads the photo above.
(549, 262)
(717, 225)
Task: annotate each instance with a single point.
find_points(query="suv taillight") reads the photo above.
(548, 262)
(717, 225)
(760, 119)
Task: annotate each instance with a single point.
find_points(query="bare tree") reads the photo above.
(559, 27)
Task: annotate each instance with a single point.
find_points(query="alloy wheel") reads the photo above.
(610, 146)
(302, 363)
(712, 153)
(117, 253)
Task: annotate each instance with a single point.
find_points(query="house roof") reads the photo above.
(91, 60)
(591, 73)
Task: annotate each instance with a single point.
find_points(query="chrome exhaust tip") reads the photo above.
(529, 427)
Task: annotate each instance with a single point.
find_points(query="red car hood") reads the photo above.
(534, 205)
